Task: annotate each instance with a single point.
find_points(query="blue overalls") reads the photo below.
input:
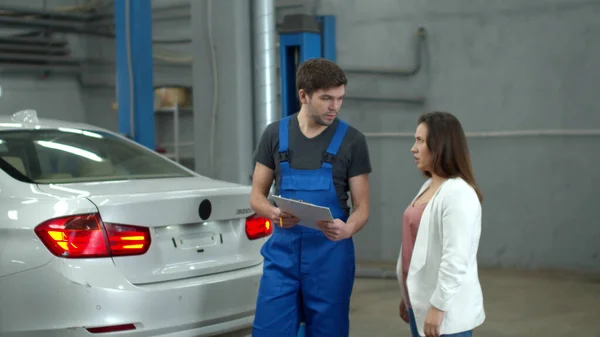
(307, 277)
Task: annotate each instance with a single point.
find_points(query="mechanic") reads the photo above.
(315, 157)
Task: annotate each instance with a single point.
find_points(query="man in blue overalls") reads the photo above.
(315, 157)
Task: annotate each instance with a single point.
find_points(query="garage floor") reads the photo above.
(518, 304)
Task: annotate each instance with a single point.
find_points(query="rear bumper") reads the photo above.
(64, 297)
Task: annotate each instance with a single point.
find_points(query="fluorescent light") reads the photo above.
(71, 149)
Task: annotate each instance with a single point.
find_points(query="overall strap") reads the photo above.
(336, 142)
(284, 125)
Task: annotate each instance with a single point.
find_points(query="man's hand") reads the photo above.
(433, 322)
(284, 220)
(336, 230)
(403, 311)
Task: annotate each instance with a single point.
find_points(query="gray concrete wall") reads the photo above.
(498, 66)
(57, 98)
(231, 138)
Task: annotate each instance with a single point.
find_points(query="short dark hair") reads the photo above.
(319, 74)
(448, 145)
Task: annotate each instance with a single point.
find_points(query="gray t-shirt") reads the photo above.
(307, 154)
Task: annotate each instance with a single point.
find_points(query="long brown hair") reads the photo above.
(448, 145)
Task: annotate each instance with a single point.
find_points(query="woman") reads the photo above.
(437, 266)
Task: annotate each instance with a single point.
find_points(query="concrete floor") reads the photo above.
(517, 303)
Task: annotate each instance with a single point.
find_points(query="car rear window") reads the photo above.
(72, 155)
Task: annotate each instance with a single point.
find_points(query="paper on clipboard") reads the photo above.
(309, 214)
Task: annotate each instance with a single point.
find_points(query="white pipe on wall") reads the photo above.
(490, 134)
(265, 67)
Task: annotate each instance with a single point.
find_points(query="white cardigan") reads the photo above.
(443, 269)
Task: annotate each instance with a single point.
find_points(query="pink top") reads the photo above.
(410, 227)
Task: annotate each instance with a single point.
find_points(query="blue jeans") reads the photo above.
(415, 332)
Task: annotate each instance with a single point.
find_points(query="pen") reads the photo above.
(280, 222)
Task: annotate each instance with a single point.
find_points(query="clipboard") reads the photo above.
(309, 214)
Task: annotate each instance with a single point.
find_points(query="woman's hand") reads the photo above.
(403, 311)
(433, 322)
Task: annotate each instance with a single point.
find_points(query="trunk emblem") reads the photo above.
(205, 209)
(243, 211)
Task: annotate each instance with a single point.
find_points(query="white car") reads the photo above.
(100, 235)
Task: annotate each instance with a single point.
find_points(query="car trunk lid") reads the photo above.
(197, 225)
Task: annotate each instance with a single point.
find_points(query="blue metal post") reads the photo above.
(305, 46)
(135, 82)
(328, 37)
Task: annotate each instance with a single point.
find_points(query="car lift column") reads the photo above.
(301, 37)
(135, 83)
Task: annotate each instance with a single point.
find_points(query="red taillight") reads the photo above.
(127, 240)
(86, 236)
(258, 227)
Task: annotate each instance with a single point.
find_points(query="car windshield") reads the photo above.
(73, 155)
